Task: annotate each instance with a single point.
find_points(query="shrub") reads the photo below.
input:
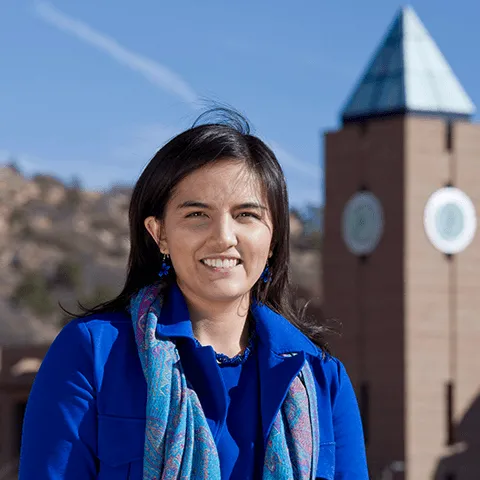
(69, 275)
(32, 292)
(18, 217)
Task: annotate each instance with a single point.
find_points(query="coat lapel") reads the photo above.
(282, 350)
(276, 374)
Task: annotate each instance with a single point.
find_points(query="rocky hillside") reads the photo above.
(60, 243)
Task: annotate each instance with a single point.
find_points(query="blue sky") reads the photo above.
(93, 88)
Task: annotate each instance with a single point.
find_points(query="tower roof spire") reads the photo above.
(408, 74)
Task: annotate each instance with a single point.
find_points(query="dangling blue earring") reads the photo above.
(165, 267)
(266, 274)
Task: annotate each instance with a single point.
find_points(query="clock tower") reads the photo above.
(401, 256)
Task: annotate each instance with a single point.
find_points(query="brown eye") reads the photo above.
(249, 214)
(195, 215)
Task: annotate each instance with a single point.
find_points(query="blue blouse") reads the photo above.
(85, 418)
(238, 439)
(240, 445)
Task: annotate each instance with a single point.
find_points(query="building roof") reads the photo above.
(408, 74)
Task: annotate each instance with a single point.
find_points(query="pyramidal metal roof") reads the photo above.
(408, 73)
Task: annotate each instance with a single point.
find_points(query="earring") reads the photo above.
(165, 266)
(266, 274)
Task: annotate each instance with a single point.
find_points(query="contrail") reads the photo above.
(156, 73)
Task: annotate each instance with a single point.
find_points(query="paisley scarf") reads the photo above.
(178, 440)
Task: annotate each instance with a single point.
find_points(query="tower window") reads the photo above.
(449, 137)
(449, 411)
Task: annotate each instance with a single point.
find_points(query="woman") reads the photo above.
(219, 378)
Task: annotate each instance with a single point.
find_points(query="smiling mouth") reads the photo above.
(223, 264)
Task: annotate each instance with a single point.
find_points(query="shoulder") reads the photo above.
(101, 320)
(88, 336)
(96, 326)
(329, 372)
(80, 347)
(96, 345)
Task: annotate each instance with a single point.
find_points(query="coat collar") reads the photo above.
(281, 352)
(278, 334)
(174, 318)
(275, 332)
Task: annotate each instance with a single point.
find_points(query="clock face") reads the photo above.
(450, 220)
(362, 223)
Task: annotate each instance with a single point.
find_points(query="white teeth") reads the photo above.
(218, 263)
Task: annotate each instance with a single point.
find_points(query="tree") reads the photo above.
(14, 165)
(313, 218)
(74, 192)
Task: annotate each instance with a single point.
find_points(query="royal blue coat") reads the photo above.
(85, 418)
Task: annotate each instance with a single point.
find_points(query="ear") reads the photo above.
(156, 230)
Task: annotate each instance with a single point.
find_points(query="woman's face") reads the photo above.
(217, 230)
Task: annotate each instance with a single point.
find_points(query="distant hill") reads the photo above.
(62, 243)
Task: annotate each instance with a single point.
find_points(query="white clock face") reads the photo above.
(362, 223)
(450, 220)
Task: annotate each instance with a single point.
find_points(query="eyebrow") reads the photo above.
(195, 204)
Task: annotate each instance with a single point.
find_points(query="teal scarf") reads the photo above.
(178, 440)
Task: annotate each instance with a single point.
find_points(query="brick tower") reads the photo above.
(401, 258)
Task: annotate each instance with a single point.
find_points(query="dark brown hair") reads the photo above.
(195, 148)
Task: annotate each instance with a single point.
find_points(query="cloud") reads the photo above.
(156, 73)
(295, 165)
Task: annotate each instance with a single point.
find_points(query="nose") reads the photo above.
(224, 235)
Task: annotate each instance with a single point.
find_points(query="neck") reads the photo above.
(223, 326)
